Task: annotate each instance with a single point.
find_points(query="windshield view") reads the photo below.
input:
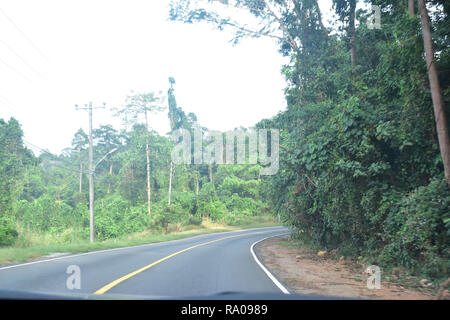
(225, 150)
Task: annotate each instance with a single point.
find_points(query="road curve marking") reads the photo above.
(23, 264)
(110, 285)
(271, 276)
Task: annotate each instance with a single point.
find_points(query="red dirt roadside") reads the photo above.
(304, 272)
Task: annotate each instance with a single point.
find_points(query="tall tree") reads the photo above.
(138, 105)
(276, 19)
(172, 114)
(13, 159)
(346, 11)
(436, 94)
(411, 8)
(178, 119)
(79, 143)
(106, 139)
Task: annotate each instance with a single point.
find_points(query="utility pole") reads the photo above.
(91, 171)
(91, 179)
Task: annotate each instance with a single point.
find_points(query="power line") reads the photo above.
(49, 153)
(20, 57)
(15, 70)
(8, 101)
(7, 107)
(7, 104)
(35, 146)
(32, 145)
(23, 34)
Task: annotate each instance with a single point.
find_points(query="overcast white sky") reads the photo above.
(55, 54)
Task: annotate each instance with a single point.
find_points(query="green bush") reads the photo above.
(8, 233)
(244, 188)
(194, 220)
(187, 200)
(47, 214)
(114, 217)
(163, 215)
(217, 210)
(416, 231)
(159, 221)
(246, 206)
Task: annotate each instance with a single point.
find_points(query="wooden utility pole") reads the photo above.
(91, 172)
(436, 95)
(91, 179)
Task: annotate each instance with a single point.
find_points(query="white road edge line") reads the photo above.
(122, 248)
(271, 276)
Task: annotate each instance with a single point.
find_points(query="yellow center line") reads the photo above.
(125, 277)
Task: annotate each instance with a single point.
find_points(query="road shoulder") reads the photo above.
(304, 272)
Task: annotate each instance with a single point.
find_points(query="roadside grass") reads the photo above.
(31, 245)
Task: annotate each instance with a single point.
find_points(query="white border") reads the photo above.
(271, 276)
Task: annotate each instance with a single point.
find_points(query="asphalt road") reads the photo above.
(197, 266)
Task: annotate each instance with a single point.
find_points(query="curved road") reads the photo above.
(196, 266)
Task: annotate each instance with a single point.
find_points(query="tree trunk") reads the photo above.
(411, 8)
(81, 172)
(130, 177)
(436, 95)
(210, 172)
(147, 151)
(170, 182)
(197, 186)
(109, 184)
(133, 199)
(353, 33)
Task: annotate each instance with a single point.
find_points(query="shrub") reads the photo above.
(163, 215)
(194, 220)
(217, 210)
(236, 203)
(416, 231)
(187, 200)
(114, 218)
(8, 233)
(47, 214)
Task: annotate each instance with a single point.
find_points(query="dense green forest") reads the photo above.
(360, 166)
(361, 147)
(50, 193)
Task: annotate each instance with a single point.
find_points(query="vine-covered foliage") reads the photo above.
(360, 165)
(361, 170)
